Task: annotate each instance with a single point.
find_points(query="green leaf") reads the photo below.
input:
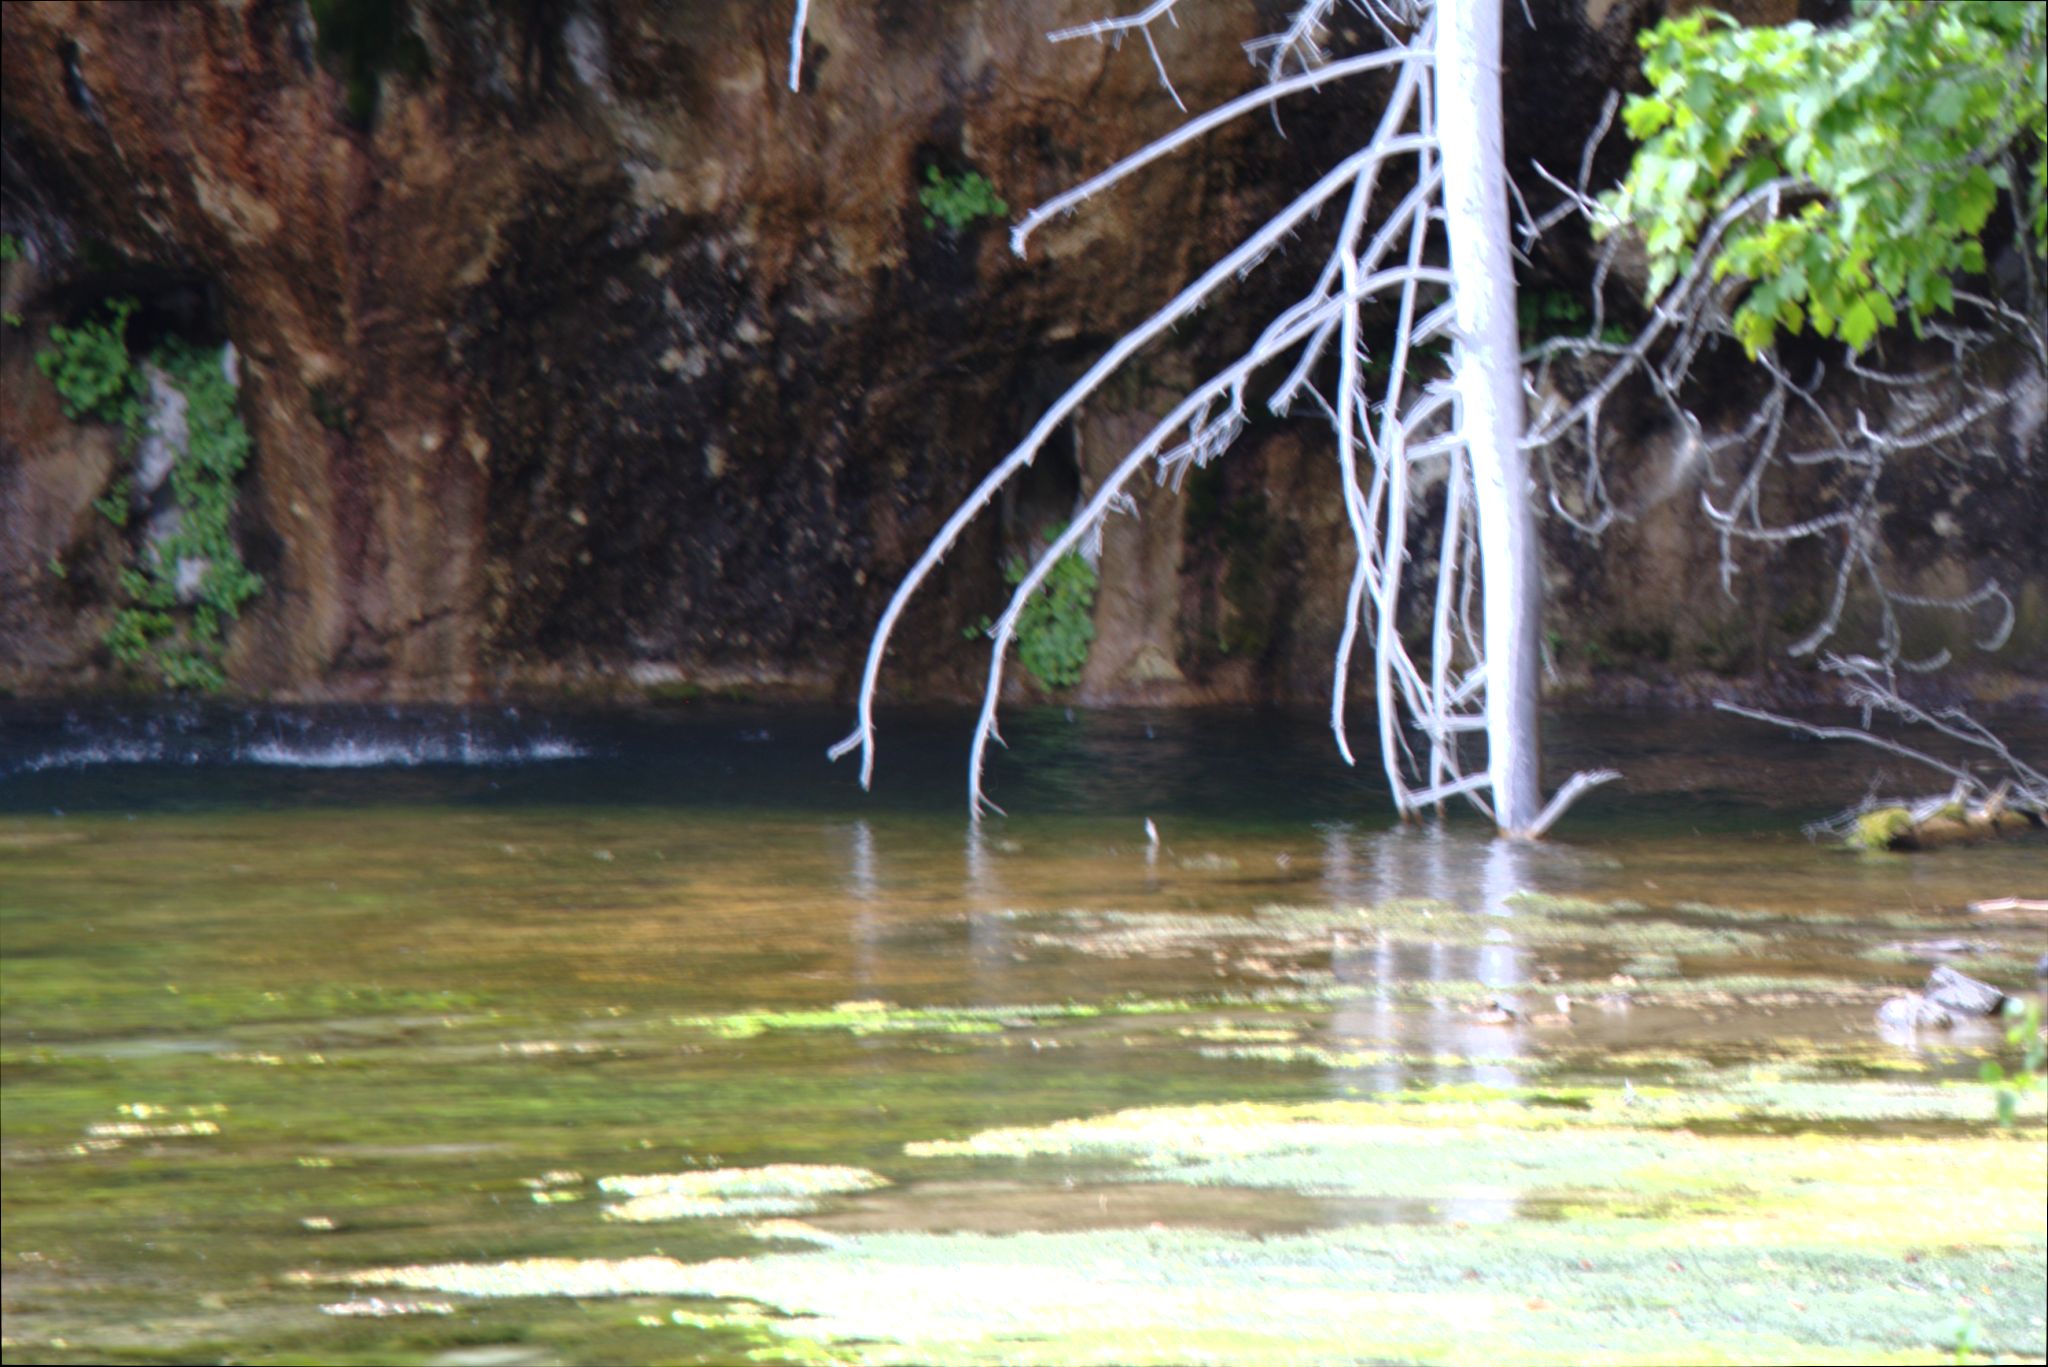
(1644, 116)
(1946, 105)
(1057, 625)
(959, 202)
(1859, 323)
(1899, 119)
(1822, 318)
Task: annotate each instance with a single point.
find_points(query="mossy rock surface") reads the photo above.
(1893, 828)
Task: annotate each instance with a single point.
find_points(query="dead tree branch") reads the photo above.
(1396, 416)
(1898, 412)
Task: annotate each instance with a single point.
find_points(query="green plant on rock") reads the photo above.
(1543, 314)
(186, 652)
(92, 371)
(11, 250)
(171, 623)
(957, 202)
(114, 504)
(1058, 622)
(1880, 828)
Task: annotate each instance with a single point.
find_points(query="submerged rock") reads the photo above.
(1948, 997)
(1963, 994)
(1904, 1015)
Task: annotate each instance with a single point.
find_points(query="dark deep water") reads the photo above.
(296, 995)
(1231, 766)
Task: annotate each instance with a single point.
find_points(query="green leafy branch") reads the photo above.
(2022, 1032)
(1894, 132)
(958, 202)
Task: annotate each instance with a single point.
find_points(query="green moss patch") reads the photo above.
(1592, 1292)
(887, 1018)
(1613, 1231)
(779, 1189)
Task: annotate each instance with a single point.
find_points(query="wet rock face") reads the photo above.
(205, 144)
(580, 351)
(574, 340)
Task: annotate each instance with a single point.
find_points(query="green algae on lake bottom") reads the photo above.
(1646, 1236)
(871, 1017)
(296, 1086)
(1662, 1246)
(778, 1189)
(1592, 1291)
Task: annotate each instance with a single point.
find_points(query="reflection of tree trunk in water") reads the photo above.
(862, 887)
(1339, 874)
(1496, 1053)
(1423, 862)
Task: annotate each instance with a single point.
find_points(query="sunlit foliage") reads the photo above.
(1887, 142)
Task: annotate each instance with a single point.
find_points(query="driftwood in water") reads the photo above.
(1936, 824)
(2008, 906)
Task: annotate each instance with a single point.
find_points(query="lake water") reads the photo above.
(498, 1037)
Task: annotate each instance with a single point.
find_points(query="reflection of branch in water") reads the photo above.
(861, 886)
(982, 887)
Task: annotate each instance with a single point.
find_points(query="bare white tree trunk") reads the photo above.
(1396, 417)
(1443, 117)
(1488, 377)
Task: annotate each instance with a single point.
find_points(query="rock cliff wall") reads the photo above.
(579, 353)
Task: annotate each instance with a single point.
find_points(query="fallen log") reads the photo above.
(1998, 906)
(1939, 824)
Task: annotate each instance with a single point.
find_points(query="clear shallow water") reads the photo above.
(293, 995)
